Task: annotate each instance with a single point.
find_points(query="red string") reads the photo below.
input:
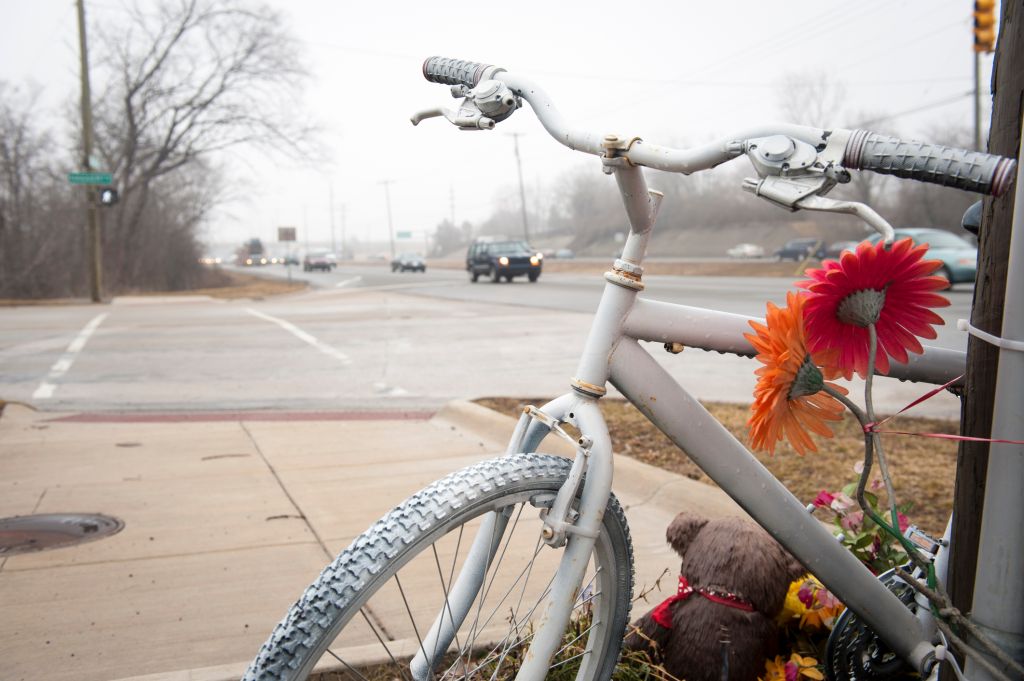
(873, 426)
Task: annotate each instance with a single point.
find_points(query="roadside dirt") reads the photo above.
(923, 469)
(242, 285)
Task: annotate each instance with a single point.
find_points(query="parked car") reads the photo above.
(835, 249)
(959, 258)
(408, 261)
(798, 249)
(319, 260)
(745, 251)
(508, 259)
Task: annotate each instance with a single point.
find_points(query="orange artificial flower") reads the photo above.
(788, 398)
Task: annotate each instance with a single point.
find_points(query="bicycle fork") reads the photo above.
(579, 538)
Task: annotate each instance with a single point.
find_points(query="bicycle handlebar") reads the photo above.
(864, 150)
(948, 166)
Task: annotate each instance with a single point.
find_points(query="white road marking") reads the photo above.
(303, 336)
(60, 367)
(353, 280)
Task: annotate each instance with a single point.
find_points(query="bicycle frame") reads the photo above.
(613, 354)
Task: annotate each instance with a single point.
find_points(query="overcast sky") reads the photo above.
(673, 72)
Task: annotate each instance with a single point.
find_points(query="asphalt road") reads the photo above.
(579, 293)
(363, 338)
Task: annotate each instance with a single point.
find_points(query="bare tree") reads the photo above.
(811, 98)
(36, 236)
(185, 80)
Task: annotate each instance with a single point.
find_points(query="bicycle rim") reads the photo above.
(370, 610)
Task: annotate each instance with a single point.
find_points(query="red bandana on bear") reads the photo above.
(663, 613)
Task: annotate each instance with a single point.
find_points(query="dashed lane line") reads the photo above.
(303, 336)
(63, 364)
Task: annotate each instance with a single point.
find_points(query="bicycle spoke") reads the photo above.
(362, 611)
(493, 569)
(412, 619)
(347, 665)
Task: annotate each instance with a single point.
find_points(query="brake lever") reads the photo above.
(482, 107)
(466, 118)
(794, 176)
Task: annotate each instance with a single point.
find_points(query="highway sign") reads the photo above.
(286, 234)
(90, 178)
(403, 235)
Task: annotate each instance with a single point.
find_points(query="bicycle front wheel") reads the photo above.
(370, 610)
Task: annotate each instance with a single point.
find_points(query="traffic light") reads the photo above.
(984, 25)
(108, 196)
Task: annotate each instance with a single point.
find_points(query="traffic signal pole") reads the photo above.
(95, 251)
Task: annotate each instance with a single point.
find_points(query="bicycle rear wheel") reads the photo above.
(370, 610)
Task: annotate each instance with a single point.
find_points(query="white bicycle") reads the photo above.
(522, 565)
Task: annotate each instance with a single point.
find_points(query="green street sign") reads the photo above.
(403, 235)
(90, 178)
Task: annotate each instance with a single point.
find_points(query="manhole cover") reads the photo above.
(26, 533)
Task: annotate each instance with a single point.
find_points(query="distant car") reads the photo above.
(745, 251)
(508, 259)
(210, 260)
(959, 258)
(319, 261)
(254, 260)
(408, 262)
(798, 249)
(289, 260)
(835, 249)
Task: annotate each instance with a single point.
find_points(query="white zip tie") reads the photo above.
(1002, 343)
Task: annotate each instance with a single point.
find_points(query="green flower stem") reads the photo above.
(893, 529)
(883, 466)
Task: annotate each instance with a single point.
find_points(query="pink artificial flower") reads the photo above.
(904, 521)
(841, 503)
(823, 500)
(890, 287)
(852, 522)
(792, 671)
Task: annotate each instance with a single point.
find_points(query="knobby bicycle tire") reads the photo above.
(340, 600)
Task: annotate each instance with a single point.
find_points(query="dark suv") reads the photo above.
(798, 249)
(497, 259)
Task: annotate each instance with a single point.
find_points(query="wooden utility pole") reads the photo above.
(987, 311)
(522, 192)
(95, 244)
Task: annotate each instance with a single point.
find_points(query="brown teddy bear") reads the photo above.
(732, 585)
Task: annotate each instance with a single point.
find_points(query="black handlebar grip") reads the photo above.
(948, 166)
(457, 71)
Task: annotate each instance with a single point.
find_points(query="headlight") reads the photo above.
(539, 256)
(248, 261)
(503, 261)
(535, 260)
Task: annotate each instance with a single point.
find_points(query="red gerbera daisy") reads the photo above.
(887, 286)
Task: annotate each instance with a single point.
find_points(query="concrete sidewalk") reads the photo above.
(228, 517)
